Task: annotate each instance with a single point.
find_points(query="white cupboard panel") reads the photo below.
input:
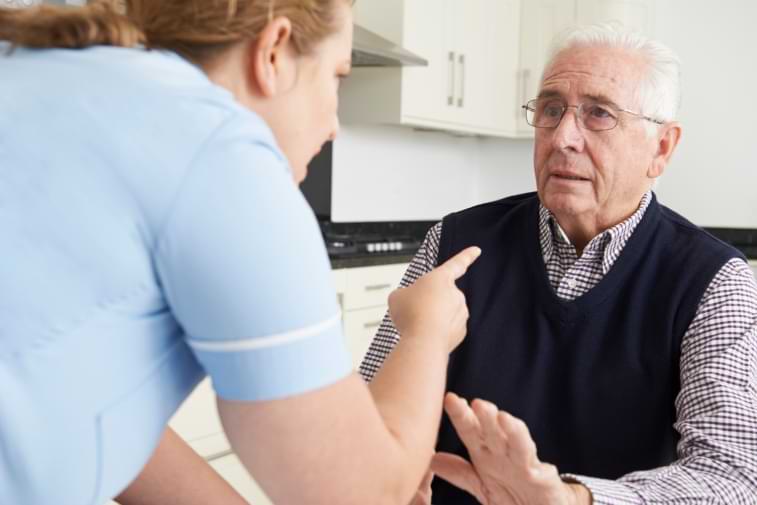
(427, 28)
(541, 20)
(198, 423)
(235, 474)
(359, 328)
(370, 286)
(469, 84)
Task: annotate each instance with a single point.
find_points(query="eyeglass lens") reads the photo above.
(547, 113)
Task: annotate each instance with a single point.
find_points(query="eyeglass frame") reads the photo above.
(579, 109)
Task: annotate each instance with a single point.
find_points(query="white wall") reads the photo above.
(713, 177)
(393, 173)
(396, 173)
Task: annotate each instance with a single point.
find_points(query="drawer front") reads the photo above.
(359, 328)
(339, 277)
(235, 474)
(370, 286)
(198, 423)
(340, 286)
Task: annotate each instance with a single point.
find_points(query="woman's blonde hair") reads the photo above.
(197, 29)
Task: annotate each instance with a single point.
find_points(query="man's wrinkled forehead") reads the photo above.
(595, 73)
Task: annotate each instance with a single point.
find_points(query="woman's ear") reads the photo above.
(667, 140)
(271, 59)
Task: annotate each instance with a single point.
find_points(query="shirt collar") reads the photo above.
(608, 245)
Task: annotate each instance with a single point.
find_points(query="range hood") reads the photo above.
(372, 50)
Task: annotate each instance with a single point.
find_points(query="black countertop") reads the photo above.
(744, 239)
(370, 261)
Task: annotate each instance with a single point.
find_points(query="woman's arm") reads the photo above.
(177, 475)
(339, 445)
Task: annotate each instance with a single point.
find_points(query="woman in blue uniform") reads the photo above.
(153, 232)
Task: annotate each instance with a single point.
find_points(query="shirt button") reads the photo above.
(571, 283)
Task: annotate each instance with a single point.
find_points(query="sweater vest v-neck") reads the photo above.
(595, 378)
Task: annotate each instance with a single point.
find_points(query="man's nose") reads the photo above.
(569, 133)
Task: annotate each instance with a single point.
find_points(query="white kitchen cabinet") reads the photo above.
(469, 85)
(235, 474)
(232, 470)
(364, 303)
(371, 286)
(360, 327)
(198, 423)
(542, 20)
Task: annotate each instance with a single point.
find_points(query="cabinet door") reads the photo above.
(428, 93)
(359, 329)
(488, 37)
(198, 423)
(231, 469)
(340, 286)
(541, 20)
(635, 14)
(235, 474)
(371, 286)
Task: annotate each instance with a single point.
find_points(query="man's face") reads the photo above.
(598, 176)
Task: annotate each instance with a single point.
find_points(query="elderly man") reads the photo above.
(621, 335)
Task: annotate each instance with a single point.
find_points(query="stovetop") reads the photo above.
(353, 240)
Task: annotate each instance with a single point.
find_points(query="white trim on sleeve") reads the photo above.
(250, 344)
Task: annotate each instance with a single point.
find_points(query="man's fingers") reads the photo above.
(522, 446)
(464, 421)
(458, 264)
(492, 433)
(458, 472)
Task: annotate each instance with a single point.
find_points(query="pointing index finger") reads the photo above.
(459, 263)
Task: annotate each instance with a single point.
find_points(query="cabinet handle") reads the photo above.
(451, 84)
(461, 100)
(378, 287)
(374, 324)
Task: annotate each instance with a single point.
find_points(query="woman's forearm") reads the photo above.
(177, 475)
(408, 392)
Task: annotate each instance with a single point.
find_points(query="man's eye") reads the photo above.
(553, 110)
(600, 112)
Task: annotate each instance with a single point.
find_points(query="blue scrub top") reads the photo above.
(150, 233)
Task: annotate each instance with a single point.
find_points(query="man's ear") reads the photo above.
(271, 59)
(667, 140)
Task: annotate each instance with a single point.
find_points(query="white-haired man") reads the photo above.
(620, 339)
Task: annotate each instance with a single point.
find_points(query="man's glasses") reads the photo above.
(594, 116)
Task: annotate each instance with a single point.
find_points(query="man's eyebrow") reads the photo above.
(603, 99)
(549, 93)
(598, 97)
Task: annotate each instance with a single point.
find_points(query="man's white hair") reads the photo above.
(659, 91)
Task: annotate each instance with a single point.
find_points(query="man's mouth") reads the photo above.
(570, 177)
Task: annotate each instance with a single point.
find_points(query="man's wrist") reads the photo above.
(581, 494)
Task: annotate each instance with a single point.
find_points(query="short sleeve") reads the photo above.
(243, 266)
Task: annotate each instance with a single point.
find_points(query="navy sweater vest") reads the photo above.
(595, 379)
